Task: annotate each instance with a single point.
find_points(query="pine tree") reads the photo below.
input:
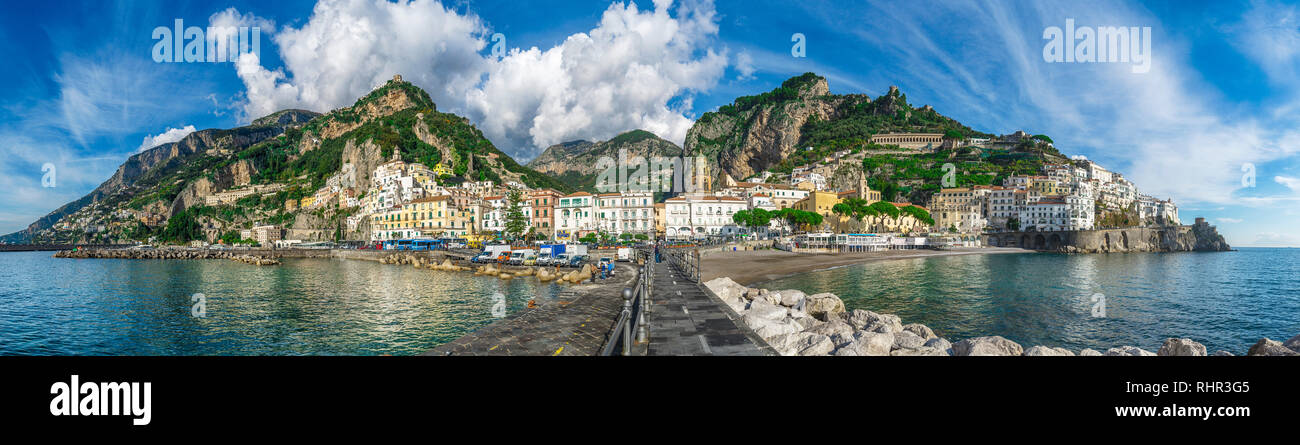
(516, 220)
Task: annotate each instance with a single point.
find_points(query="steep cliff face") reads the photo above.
(576, 163)
(164, 159)
(1200, 237)
(801, 122)
(754, 134)
(286, 156)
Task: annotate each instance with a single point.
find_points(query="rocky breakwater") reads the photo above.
(167, 254)
(543, 274)
(797, 324)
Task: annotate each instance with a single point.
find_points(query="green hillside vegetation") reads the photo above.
(912, 176)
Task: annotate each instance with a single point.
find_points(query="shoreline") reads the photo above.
(760, 266)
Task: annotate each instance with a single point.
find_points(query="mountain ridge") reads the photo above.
(291, 154)
(575, 162)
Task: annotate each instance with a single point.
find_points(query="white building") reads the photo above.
(700, 216)
(497, 211)
(575, 216)
(625, 212)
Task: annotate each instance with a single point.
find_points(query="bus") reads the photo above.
(427, 244)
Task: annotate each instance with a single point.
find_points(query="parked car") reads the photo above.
(576, 260)
(504, 257)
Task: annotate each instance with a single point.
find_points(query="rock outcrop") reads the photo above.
(797, 324)
(1181, 347)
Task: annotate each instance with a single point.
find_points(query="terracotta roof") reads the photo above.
(577, 194)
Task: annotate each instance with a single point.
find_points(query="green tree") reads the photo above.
(516, 221)
(741, 218)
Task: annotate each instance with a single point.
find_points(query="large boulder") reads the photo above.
(805, 322)
(823, 305)
(1181, 347)
(908, 340)
(765, 296)
(1089, 352)
(726, 289)
(919, 329)
(865, 320)
(868, 344)
(940, 343)
(802, 344)
(1128, 351)
(813, 345)
(737, 305)
(831, 328)
(792, 297)
(1293, 344)
(921, 351)
(1270, 347)
(987, 346)
(1044, 351)
(767, 327)
(841, 339)
(1222, 353)
(767, 310)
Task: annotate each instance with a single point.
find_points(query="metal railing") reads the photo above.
(632, 321)
(686, 262)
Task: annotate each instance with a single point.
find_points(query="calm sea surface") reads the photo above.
(57, 306)
(1225, 300)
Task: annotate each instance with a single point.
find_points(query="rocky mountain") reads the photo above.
(574, 163)
(801, 124)
(757, 133)
(165, 192)
(141, 171)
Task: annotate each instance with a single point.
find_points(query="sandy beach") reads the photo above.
(750, 267)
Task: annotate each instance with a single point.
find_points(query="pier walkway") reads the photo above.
(575, 323)
(685, 320)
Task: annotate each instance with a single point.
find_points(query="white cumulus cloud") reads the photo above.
(349, 47)
(166, 137)
(622, 75)
(636, 69)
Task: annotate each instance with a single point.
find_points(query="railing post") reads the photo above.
(645, 298)
(627, 321)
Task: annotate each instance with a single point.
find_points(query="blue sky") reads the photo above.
(82, 92)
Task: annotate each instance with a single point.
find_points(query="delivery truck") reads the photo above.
(490, 253)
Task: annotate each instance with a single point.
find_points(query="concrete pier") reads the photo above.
(576, 323)
(686, 319)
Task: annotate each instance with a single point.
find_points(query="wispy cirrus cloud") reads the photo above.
(1290, 182)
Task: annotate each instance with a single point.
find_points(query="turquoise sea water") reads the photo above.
(58, 306)
(1225, 300)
